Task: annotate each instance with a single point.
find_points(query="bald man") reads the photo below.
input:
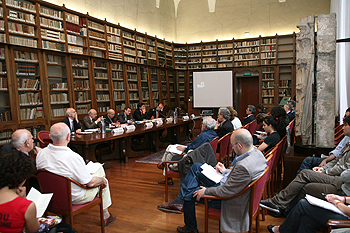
(72, 120)
(22, 140)
(61, 160)
(91, 121)
(109, 118)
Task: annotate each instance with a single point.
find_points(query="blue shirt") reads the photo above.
(203, 137)
(340, 146)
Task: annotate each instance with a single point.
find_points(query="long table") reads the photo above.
(122, 144)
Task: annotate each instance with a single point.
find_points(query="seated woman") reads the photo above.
(283, 121)
(236, 122)
(309, 218)
(270, 125)
(259, 120)
(16, 210)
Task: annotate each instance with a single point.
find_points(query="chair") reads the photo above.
(214, 143)
(290, 129)
(252, 127)
(44, 138)
(224, 143)
(256, 187)
(334, 223)
(61, 202)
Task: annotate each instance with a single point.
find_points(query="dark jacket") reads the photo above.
(225, 128)
(76, 125)
(138, 115)
(248, 119)
(108, 120)
(153, 112)
(122, 118)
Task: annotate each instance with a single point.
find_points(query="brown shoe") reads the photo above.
(171, 208)
(160, 166)
(184, 230)
(170, 181)
(111, 218)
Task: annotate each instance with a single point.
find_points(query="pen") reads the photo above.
(324, 194)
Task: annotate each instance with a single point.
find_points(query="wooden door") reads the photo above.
(247, 92)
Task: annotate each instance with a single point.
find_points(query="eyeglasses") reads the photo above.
(234, 144)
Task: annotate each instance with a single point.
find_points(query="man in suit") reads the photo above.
(22, 140)
(156, 112)
(290, 113)
(223, 124)
(91, 121)
(124, 117)
(246, 167)
(72, 120)
(292, 102)
(140, 112)
(250, 115)
(109, 118)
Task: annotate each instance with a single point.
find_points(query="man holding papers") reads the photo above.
(246, 167)
(61, 160)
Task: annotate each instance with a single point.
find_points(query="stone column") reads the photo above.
(305, 57)
(325, 80)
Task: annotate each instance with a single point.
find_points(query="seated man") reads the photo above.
(156, 112)
(207, 135)
(91, 121)
(246, 167)
(324, 179)
(109, 118)
(290, 113)
(59, 159)
(260, 109)
(140, 112)
(124, 117)
(223, 124)
(72, 120)
(250, 115)
(292, 102)
(22, 140)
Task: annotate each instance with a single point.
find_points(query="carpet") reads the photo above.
(153, 158)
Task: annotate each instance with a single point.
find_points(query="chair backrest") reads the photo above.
(60, 186)
(246, 126)
(252, 127)
(258, 190)
(224, 143)
(42, 135)
(291, 125)
(279, 151)
(214, 143)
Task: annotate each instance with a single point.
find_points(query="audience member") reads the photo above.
(270, 124)
(15, 209)
(156, 112)
(292, 102)
(59, 159)
(250, 115)
(72, 120)
(309, 218)
(140, 112)
(260, 108)
(207, 135)
(290, 114)
(91, 121)
(223, 124)
(320, 180)
(246, 167)
(109, 118)
(236, 122)
(124, 117)
(23, 141)
(259, 121)
(283, 122)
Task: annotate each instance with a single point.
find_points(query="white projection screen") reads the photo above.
(212, 89)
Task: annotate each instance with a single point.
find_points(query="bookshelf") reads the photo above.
(141, 48)
(209, 55)
(246, 53)
(151, 52)
(169, 54)
(114, 43)
(268, 51)
(133, 87)
(286, 49)
(180, 57)
(118, 85)
(56, 75)
(101, 85)
(75, 27)
(154, 86)
(2, 24)
(180, 80)
(194, 56)
(5, 105)
(97, 38)
(28, 84)
(5, 136)
(225, 54)
(171, 89)
(161, 53)
(81, 85)
(190, 85)
(145, 86)
(268, 85)
(129, 46)
(164, 87)
(285, 82)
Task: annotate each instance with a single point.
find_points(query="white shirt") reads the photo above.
(236, 123)
(61, 160)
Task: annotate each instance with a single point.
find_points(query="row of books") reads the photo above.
(82, 97)
(51, 12)
(247, 63)
(268, 92)
(5, 116)
(21, 28)
(81, 85)
(59, 86)
(21, 4)
(25, 68)
(53, 35)
(79, 63)
(121, 107)
(101, 86)
(247, 50)
(97, 34)
(95, 25)
(75, 49)
(118, 85)
(30, 98)
(21, 41)
(117, 75)
(145, 95)
(58, 112)
(75, 19)
(132, 86)
(97, 44)
(59, 98)
(267, 100)
(101, 75)
(28, 84)
(52, 59)
(268, 76)
(81, 73)
(118, 95)
(285, 83)
(129, 51)
(247, 43)
(113, 30)
(267, 84)
(76, 29)
(53, 46)
(114, 48)
(83, 108)
(225, 59)
(268, 55)
(51, 23)
(268, 62)
(27, 56)
(31, 113)
(210, 53)
(102, 109)
(141, 46)
(246, 56)
(29, 18)
(115, 56)
(133, 96)
(3, 83)
(101, 97)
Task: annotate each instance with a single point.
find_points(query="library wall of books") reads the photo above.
(52, 58)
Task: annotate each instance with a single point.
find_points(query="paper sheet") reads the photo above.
(41, 200)
(93, 167)
(211, 173)
(172, 149)
(323, 204)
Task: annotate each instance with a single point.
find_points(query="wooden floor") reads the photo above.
(135, 196)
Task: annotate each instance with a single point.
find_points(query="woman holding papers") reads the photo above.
(306, 217)
(15, 210)
(270, 125)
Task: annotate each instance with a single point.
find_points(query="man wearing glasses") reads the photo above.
(72, 120)
(22, 140)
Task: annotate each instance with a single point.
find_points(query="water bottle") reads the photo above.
(103, 125)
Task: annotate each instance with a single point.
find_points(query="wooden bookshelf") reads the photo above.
(101, 85)
(172, 88)
(164, 87)
(118, 85)
(145, 92)
(154, 86)
(225, 54)
(210, 55)
(133, 86)
(5, 104)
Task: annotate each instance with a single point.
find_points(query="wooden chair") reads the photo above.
(290, 131)
(252, 127)
(44, 138)
(256, 187)
(277, 166)
(173, 174)
(61, 202)
(334, 223)
(224, 143)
